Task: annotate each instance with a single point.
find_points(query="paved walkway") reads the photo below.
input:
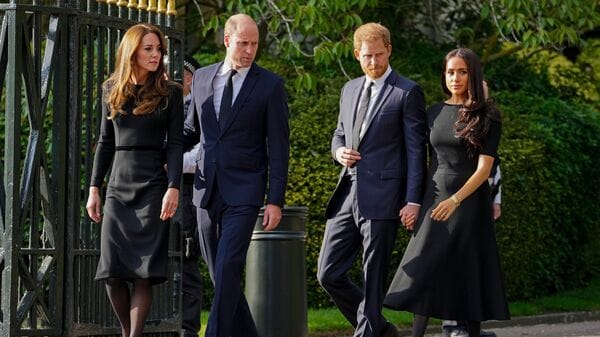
(575, 324)
(579, 329)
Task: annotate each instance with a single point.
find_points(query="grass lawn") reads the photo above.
(330, 322)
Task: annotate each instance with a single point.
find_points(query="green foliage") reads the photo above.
(318, 30)
(548, 231)
(313, 175)
(565, 76)
(546, 23)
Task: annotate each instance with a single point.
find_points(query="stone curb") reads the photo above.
(555, 318)
(561, 317)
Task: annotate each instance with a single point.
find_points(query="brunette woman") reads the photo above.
(140, 109)
(451, 269)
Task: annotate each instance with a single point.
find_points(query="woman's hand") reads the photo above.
(444, 210)
(94, 205)
(169, 204)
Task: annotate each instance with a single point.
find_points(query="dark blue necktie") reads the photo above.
(227, 98)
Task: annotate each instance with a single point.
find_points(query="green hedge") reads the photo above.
(548, 233)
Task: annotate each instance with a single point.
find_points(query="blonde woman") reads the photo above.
(140, 109)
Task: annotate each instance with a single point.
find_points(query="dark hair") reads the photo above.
(478, 111)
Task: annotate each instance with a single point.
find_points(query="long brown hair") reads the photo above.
(119, 87)
(477, 112)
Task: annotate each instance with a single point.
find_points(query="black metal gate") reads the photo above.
(53, 59)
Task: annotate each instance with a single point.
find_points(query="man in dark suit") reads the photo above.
(380, 142)
(239, 111)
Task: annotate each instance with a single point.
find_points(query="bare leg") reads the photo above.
(474, 328)
(419, 325)
(141, 299)
(118, 294)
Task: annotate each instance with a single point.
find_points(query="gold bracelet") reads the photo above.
(455, 200)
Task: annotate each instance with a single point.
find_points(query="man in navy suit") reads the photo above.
(380, 143)
(239, 112)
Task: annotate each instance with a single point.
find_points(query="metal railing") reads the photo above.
(55, 56)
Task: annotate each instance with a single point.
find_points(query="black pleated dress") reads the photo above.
(451, 269)
(134, 240)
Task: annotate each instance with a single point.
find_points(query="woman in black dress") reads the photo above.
(451, 269)
(140, 109)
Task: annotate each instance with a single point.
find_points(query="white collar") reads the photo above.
(226, 67)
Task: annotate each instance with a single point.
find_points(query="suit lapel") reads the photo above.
(351, 110)
(210, 92)
(245, 90)
(381, 98)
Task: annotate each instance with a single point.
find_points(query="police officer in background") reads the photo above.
(185, 217)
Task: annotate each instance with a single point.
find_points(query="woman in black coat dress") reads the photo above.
(140, 109)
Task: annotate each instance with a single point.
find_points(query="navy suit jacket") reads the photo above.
(248, 149)
(392, 166)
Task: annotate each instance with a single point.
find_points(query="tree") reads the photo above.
(540, 24)
(320, 30)
(317, 34)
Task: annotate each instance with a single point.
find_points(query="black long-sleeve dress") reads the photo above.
(134, 240)
(451, 269)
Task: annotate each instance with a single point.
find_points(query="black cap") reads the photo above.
(190, 64)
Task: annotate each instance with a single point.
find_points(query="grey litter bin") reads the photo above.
(276, 276)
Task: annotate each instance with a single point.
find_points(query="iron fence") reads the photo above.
(55, 56)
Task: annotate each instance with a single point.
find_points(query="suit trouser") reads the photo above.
(225, 233)
(191, 280)
(344, 235)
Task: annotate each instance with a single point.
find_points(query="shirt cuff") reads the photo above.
(189, 159)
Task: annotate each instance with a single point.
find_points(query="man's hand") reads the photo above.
(347, 157)
(272, 217)
(408, 215)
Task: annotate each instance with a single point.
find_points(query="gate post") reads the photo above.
(12, 236)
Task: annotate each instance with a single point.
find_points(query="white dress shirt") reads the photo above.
(221, 79)
(378, 85)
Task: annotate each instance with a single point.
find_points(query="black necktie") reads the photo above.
(361, 112)
(227, 98)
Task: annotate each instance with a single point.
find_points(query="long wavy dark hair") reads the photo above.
(477, 112)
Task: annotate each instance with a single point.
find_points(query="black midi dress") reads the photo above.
(451, 269)
(133, 239)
